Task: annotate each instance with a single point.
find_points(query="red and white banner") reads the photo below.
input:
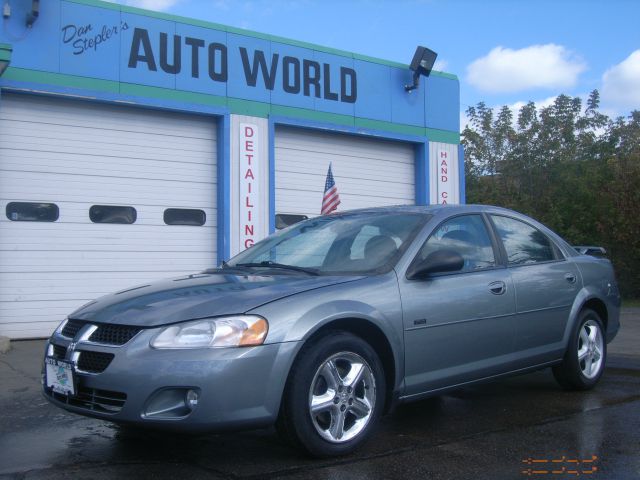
(249, 177)
(444, 172)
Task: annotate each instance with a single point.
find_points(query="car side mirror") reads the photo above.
(440, 261)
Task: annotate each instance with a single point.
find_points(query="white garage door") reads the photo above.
(368, 172)
(76, 155)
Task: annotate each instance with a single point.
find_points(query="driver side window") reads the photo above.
(467, 235)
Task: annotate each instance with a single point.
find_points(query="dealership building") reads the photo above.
(137, 145)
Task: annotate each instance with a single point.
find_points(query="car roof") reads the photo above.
(430, 209)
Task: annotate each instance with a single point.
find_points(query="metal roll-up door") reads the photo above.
(368, 171)
(78, 154)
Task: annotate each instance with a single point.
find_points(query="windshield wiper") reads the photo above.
(270, 264)
(225, 268)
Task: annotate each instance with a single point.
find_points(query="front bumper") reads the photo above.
(237, 387)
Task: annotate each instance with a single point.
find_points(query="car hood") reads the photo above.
(197, 296)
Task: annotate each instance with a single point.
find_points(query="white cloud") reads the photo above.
(540, 104)
(621, 84)
(538, 66)
(157, 5)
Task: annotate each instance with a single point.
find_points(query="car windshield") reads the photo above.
(360, 242)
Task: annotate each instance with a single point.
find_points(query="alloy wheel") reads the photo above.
(590, 348)
(342, 397)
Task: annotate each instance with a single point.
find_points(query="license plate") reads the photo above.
(60, 376)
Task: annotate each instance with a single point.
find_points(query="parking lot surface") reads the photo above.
(522, 427)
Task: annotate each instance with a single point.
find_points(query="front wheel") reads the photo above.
(334, 395)
(586, 354)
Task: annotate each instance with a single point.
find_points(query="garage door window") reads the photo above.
(32, 212)
(284, 220)
(112, 214)
(185, 216)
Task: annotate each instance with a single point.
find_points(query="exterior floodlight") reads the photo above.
(421, 64)
(5, 57)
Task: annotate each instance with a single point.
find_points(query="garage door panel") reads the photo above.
(357, 157)
(359, 186)
(136, 237)
(32, 110)
(39, 286)
(31, 329)
(60, 308)
(135, 154)
(20, 160)
(70, 282)
(304, 205)
(351, 168)
(109, 242)
(338, 144)
(79, 154)
(60, 139)
(113, 190)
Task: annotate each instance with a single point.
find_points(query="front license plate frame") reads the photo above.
(60, 376)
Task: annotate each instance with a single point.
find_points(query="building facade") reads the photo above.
(137, 145)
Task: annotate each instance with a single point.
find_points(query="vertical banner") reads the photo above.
(249, 176)
(444, 177)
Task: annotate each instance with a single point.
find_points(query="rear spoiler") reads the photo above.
(591, 250)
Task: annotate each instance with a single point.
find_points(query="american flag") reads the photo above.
(331, 199)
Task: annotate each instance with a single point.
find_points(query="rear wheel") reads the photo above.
(334, 395)
(586, 354)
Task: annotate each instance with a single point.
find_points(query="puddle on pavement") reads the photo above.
(46, 446)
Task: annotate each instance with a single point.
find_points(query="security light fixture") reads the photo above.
(421, 64)
(32, 16)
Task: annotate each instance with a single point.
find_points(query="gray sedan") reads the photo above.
(324, 326)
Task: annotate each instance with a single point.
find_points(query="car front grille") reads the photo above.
(94, 362)
(105, 334)
(113, 334)
(59, 352)
(71, 328)
(103, 401)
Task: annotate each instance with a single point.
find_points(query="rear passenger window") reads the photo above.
(32, 212)
(467, 235)
(524, 244)
(184, 216)
(112, 214)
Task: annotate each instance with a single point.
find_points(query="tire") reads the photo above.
(586, 354)
(346, 409)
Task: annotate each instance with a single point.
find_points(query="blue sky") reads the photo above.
(505, 52)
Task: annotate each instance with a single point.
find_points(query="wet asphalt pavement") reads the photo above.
(512, 428)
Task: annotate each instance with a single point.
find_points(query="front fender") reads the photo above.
(374, 300)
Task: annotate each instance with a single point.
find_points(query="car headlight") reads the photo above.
(235, 331)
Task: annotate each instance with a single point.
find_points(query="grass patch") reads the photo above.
(631, 302)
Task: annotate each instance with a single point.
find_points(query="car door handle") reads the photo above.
(570, 277)
(497, 288)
